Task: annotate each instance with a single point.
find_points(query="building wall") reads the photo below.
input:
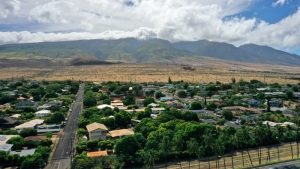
(98, 134)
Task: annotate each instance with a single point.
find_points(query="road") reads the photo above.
(284, 165)
(62, 155)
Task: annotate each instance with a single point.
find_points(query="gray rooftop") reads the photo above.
(27, 152)
(6, 147)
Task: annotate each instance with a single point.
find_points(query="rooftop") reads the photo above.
(97, 154)
(122, 132)
(94, 126)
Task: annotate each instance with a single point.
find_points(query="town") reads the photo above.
(173, 124)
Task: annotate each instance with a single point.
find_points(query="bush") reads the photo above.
(221, 121)
(28, 132)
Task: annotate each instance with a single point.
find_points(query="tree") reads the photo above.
(46, 142)
(56, 118)
(164, 147)
(290, 94)
(192, 147)
(28, 132)
(221, 121)
(106, 144)
(148, 100)
(48, 134)
(81, 132)
(196, 106)
(128, 100)
(11, 132)
(81, 146)
(127, 147)
(18, 142)
(177, 145)
(89, 101)
(92, 144)
(182, 93)
(159, 94)
(149, 157)
(233, 80)
(169, 80)
(227, 114)
(106, 101)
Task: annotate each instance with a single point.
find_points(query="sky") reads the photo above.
(274, 23)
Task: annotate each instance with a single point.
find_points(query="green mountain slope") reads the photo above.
(152, 50)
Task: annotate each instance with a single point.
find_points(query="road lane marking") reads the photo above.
(57, 165)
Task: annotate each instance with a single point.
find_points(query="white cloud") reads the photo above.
(278, 2)
(173, 20)
(8, 7)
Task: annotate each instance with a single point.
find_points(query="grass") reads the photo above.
(142, 73)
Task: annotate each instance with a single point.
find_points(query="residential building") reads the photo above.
(97, 131)
(55, 103)
(105, 106)
(275, 102)
(97, 153)
(165, 99)
(5, 138)
(297, 95)
(149, 88)
(43, 113)
(6, 147)
(222, 92)
(7, 122)
(120, 133)
(23, 104)
(157, 110)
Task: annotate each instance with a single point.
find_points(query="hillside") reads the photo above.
(131, 50)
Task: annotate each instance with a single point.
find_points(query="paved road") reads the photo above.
(284, 165)
(61, 158)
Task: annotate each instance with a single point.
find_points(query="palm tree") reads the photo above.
(164, 147)
(192, 147)
(297, 124)
(278, 134)
(246, 139)
(200, 153)
(208, 144)
(177, 146)
(237, 143)
(149, 157)
(269, 135)
(259, 132)
(290, 137)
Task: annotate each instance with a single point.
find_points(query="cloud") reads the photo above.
(173, 20)
(278, 2)
(9, 7)
(28, 37)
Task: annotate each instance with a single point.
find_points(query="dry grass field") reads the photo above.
(207, 72)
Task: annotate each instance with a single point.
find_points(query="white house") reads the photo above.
(43, 113)
(297, 95)
(105, 106)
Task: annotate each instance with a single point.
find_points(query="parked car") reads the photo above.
(237, 122)
(41, 127)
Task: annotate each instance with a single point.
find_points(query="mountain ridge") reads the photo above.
(131, 50)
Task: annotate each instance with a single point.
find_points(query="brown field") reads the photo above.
(208, 72)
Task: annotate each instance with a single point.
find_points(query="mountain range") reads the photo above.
(131, 50)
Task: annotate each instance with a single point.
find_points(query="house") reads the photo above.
(297, 95)
(30, 124)
(135, 122)
(174, 104)
(15, 116)
(6, 148)
(96, 154)
(275, 102)
(117, 103)
(157, 110)
(148, 88)
(139, 101)
(153, 105)
(21, 99)
(135, 110)
(33, 82)
(35, 138)
(165, 99)
(55, 103)
(5, 138)
(97, 131)
(7, 122)
(43, 113)
(222, 92)
(23, 104)
(252, 102)
(103, 106)
(120, 133)
(23, 152)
